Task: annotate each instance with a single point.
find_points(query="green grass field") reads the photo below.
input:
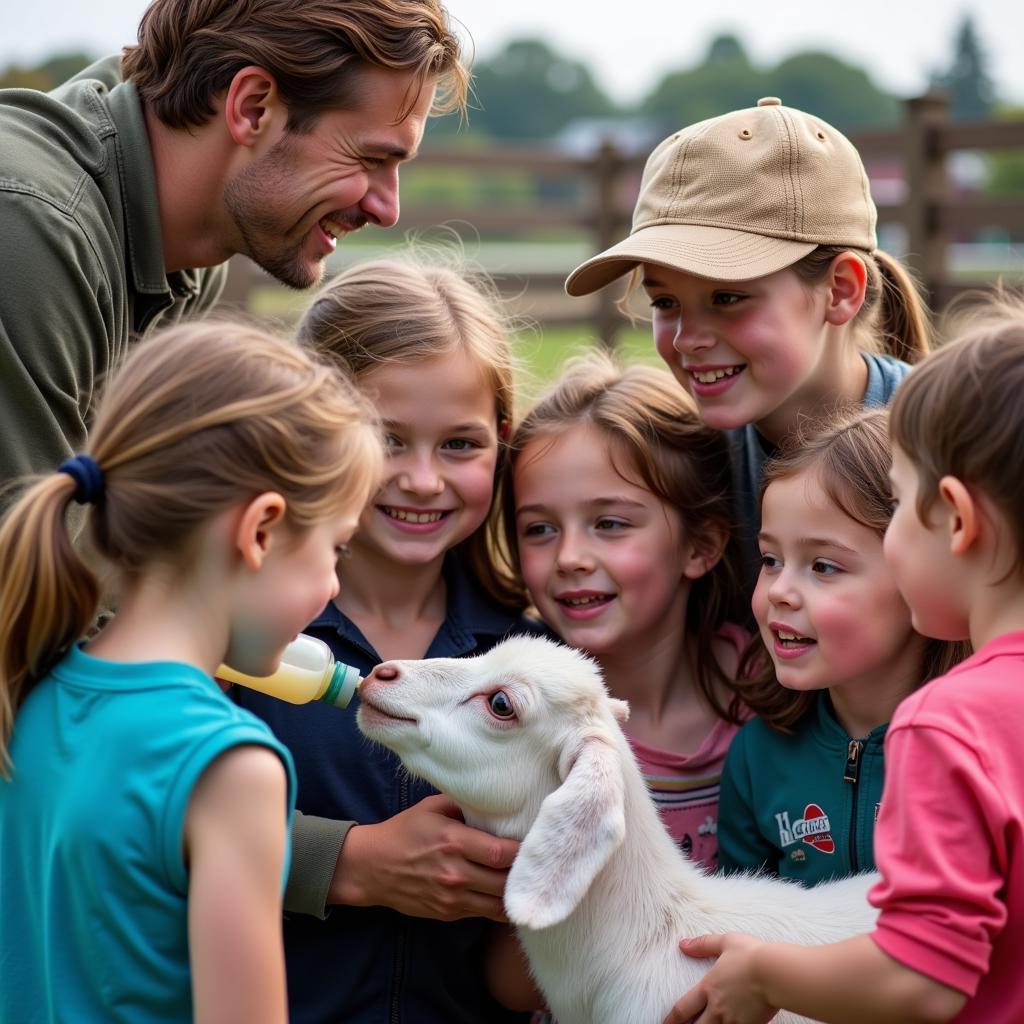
(543, 351)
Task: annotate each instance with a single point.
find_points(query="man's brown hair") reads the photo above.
(189, 50)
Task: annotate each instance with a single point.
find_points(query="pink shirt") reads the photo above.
(950, 837)
(685, 786)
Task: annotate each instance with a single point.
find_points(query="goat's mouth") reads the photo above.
(374, 713)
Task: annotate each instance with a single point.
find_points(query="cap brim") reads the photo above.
(722, 254)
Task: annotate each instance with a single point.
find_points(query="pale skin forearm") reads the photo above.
(844, 983)
(851, 982)
(235, 841)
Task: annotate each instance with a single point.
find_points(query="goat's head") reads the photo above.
(524, 738)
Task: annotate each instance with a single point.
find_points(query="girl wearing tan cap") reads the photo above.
(754, 239)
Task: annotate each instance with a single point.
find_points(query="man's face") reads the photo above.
(292, 204)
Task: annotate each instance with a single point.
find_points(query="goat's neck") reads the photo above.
(648, 865)
(640, 887)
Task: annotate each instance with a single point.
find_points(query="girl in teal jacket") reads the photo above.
(836, 653)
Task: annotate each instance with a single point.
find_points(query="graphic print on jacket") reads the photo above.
(801, 806)
(813, 828)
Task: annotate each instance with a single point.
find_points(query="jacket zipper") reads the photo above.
(851, 774)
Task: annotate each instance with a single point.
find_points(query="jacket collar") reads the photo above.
(830, 729)
(144, 246)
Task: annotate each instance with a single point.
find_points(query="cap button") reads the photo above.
(769, 101)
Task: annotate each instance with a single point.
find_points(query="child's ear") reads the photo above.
(963, 512)
(847, 282)
(504, 429)
(704, 553)
(251, 104)
(253, 534)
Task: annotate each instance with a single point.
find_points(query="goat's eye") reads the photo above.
(500, 705)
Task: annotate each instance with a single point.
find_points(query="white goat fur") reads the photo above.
(599, 893)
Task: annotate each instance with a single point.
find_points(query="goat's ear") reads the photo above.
(578, 828)
(620, 709)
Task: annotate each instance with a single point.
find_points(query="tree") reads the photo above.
(1006, 168)
(45, 76)
(725, 80)
(967, 81)
(528, 92)
(837, 92)
(819, 83)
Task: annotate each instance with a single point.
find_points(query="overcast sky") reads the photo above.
(630, 44)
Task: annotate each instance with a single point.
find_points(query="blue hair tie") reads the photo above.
(88, 477)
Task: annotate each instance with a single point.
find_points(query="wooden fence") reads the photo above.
(601, 189)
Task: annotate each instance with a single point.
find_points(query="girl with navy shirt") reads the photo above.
(391, 896)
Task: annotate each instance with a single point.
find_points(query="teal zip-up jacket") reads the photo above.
(803, 806)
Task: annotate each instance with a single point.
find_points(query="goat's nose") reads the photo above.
(386, 673)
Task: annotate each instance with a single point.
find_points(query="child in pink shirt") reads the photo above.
(950, 837)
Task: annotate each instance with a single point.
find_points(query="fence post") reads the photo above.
(927, 188)
(607, 165)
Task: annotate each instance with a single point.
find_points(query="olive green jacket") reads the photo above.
(81, 260)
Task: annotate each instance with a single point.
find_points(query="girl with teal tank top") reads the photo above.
(143, 815)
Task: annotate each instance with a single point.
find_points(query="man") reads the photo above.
(264, 127)
(270, 128)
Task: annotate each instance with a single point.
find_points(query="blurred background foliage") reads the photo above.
(527, 93)
(530, 96)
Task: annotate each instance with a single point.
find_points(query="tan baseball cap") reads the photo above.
(740, 196)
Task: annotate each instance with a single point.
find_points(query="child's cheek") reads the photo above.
(535, 570)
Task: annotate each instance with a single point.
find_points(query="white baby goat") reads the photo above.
(526, 740)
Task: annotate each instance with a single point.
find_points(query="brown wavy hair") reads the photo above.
(199, 418)
(652, 425)
(410, 307)
(963, 414)
(850, 453)
(188, 51)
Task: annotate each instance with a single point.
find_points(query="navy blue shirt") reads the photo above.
(372, 965)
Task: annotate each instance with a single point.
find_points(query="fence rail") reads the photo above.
(604, 187)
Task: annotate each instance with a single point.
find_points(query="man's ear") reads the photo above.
(964, 514)
(847, 282)
(256, 526)
(251, 104)
(702, 555)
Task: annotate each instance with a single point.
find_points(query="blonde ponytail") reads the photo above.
(902, 324)
(199, 418)
(48, 599)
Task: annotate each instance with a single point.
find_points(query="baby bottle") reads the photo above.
(308, 671)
